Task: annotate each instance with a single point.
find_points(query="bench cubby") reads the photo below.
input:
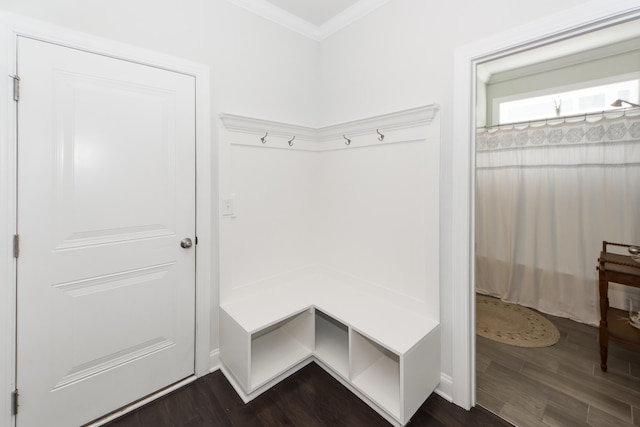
(332, 343)
(375, 370)
(387, 355)
(277, 348)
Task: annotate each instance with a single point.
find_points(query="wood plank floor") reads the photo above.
(309, 398)
(561, 385)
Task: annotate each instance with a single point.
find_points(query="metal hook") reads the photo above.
(291, 141)
(346, 140)
(264, 138)
(381, 137)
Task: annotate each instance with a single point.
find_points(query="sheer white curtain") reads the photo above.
(546, 198)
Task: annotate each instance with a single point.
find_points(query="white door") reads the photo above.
(106, 194)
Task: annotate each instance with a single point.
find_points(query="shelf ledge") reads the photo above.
(396, 127)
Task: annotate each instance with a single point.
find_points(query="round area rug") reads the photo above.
(513, 324)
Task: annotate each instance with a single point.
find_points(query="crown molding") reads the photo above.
(288, 20)
(279, 16)
(349, 16)
(400, 126)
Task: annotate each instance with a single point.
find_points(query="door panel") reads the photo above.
(106, 192)
(105, 175)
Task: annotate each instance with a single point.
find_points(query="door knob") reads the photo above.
(186, 243)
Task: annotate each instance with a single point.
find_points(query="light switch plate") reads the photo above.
(227, 206)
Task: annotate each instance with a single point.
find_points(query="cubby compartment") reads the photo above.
(281, 346)
(332, 343)
(376, 372)
(386, 355)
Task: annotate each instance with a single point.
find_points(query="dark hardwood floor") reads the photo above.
(560, 385)
(309, 398)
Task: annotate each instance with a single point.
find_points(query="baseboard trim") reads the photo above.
(445, 388)
(214, 360)
(140, 403)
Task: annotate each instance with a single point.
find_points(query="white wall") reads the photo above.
(369, 211)
(397, 57)
(277, 213)
(402, 55)
(380, 218)
(257, 68)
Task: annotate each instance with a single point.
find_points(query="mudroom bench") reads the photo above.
(387, 355)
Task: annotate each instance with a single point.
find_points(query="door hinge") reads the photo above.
(16, 88)
(14, 402)
(16, 245)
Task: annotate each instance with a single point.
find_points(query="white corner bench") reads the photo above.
(385, 354)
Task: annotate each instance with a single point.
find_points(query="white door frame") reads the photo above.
(12, 26)
(590, 16)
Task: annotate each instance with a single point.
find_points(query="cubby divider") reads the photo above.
(332, 343)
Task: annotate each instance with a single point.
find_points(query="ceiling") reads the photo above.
(316, 19)
(316, 12)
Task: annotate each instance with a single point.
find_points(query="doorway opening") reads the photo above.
(532, 175)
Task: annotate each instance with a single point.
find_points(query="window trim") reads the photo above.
(495, 102)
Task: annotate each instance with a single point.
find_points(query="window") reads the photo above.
(587, 100)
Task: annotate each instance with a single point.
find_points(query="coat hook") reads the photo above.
(346, 140)
(291, 141)
(381, 136)
(264, 138)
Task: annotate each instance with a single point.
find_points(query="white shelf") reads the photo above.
(372, 315)
(255, 312)
(280, 347)
(331, 293)
(332, 343)
(376, 372)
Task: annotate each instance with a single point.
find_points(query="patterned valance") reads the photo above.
(610, 141)
(586, 131)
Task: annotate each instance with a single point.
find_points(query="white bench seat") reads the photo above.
(386, 354)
